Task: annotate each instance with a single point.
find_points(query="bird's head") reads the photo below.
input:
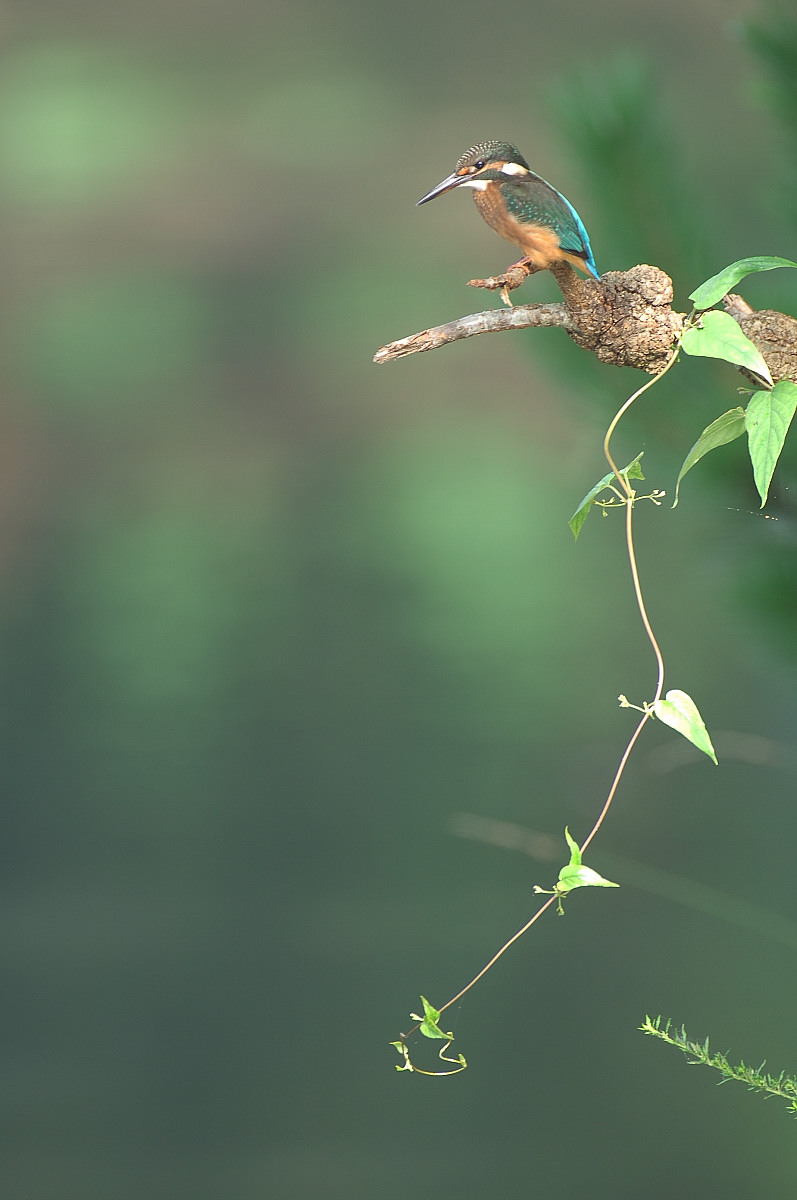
(483, 164)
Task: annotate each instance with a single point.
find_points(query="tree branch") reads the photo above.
(773, 333)
(625, 319)
(494, 320)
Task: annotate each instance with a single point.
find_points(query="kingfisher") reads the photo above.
(521, 207)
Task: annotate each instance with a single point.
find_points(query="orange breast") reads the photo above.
(539, 245)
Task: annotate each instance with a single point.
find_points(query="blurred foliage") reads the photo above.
(773, 39)
(615, 121)
(113, 340)
(80, 122)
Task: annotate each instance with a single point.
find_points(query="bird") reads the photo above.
(521, 206)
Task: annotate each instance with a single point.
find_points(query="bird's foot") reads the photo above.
(505, 283)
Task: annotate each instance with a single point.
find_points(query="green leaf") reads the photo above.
(767, 420)
(575, 874)
(719, 336)
(719, 285)
(632, 471)
(404, 1052)
(573, 877)
(725, 429)
(679, 711)
(575, 850)
(429, 1022)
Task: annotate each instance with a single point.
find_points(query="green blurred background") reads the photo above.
(272, 616)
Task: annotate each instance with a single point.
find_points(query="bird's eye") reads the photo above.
(478, 166)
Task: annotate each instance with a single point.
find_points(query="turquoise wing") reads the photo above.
(534, 202)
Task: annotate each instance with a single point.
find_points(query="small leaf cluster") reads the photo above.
(709, 333)
(679, 711)
(429, 1026)
(770, 410)
(632, 471)
(574, 875)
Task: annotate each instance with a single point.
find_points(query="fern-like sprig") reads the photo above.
(755, 1078)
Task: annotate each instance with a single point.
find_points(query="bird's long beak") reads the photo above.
(448, 183)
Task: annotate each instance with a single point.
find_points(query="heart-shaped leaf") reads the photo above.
(719, 336)
(725, 429)
(429, 1022)
(679, 711)
(710, 292)
(767, 421)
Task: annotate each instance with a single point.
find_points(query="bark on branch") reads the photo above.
(625, 319)
(774, 334)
